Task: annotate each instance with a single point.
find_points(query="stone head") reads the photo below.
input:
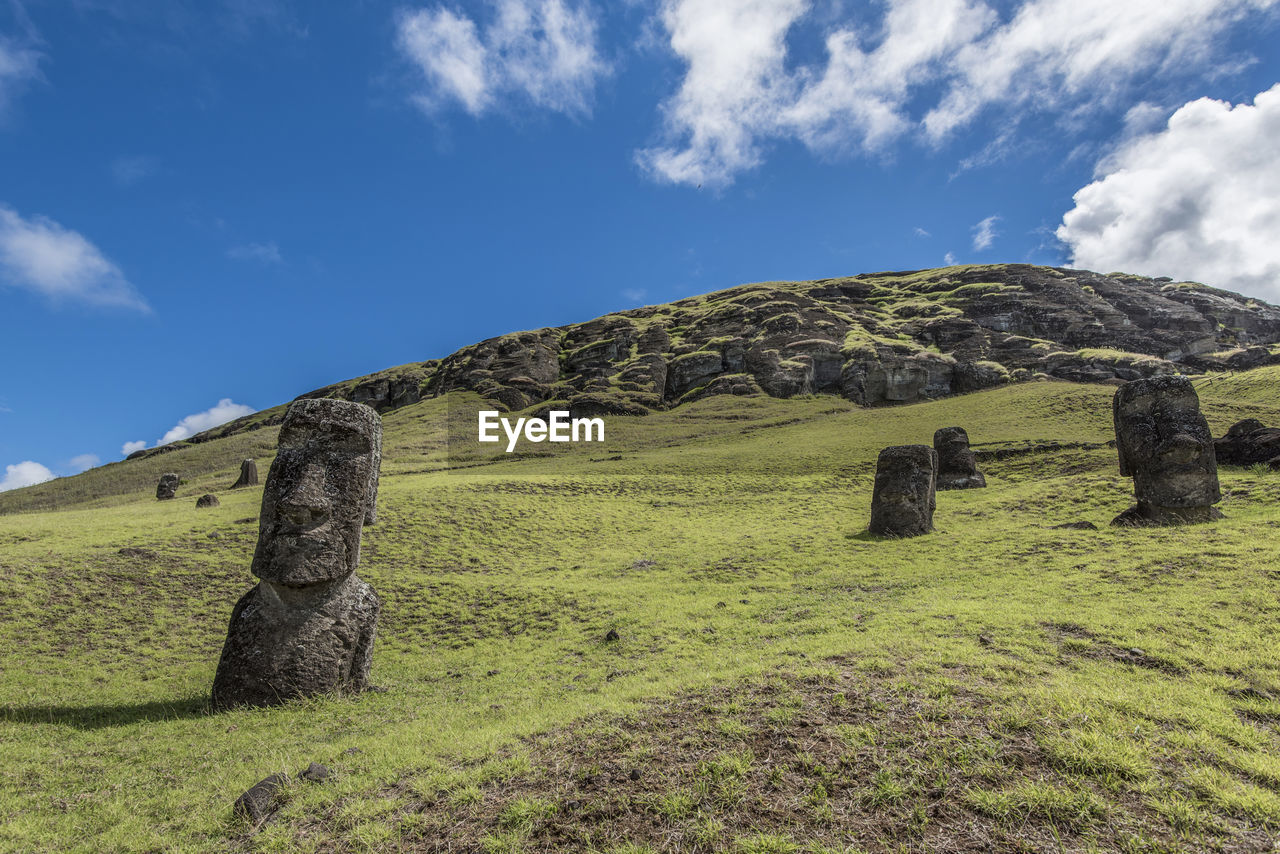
(319, 493)
(903, 500)
(951, 441)
(1164, 443)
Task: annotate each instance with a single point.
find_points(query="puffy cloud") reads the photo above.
(84, 462)
(1199, 199)
(223, 412)
(925, 69)
(540, 50)
(40, 255)
(129, 447)
(265, 253)
(26, 473)
(984, 233)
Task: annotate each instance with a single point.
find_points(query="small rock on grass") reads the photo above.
(612, 635)
(314, 773)
(260, 800)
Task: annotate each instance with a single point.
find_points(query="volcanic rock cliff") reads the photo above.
(877, 338)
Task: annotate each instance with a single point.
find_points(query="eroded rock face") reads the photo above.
(957, 465)
(1249, 442)
(902, 503)
(308, 626)
(248, 475)
(167, 489)
(1164, 444)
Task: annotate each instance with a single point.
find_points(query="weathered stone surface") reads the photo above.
(167, 489)
(1249, 442)
(260, 800)
(957, 466)
(315, 773)
(1164, 444)
(207, 500)
(902, 503)
(248, 475)
(308, 627)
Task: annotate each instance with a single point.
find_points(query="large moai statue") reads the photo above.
(167, 488)
(248, 475)
(957, 465)
(1165, 446)
(902, 502)
(308, 626)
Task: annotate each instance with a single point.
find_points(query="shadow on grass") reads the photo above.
(99, 717)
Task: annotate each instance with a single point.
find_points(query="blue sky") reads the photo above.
(213, 208)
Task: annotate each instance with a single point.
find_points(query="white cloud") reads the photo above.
(634, 294)
(222, 413)
(540, 50)
(84, 462)
(25, 473)
(18, 65)
(984, 233)
(40, 255)
(925, 69)
(949, 260)
(129, 447)
(1199, 200)
(265, 253)
(920, 232)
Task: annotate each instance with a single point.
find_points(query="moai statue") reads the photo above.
(308, 626)
(167, 489)
(902, 503)
(248, 475)
(957, 466)
(1165, 446)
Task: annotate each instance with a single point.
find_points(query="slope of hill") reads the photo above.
(877, 338)
(781, 682)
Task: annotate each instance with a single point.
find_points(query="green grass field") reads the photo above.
(782, 682)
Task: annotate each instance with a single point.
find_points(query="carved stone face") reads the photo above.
(318, 493)
(1165, 444)
(902, 502)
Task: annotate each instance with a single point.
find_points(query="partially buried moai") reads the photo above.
(248, 475)
(902, 502)
(308, 626)
(167, 488)
(957, 465)
(1165, 446)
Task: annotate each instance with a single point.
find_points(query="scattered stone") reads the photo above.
(246, 520)
(168, 487)
(634, 775)
(1164, 444)
(214, 535)
(493, 673)
(902, 503)
(985, 640)
(136, 455)
(308, 627)
(721, 605)
(1249, 442)
(612, 635)
(314, 773)
(1075, 526)
(957, 466)
(208, 500)
(248, 475)
(261, 799)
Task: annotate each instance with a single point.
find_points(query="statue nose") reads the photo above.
(1182, 448)
(306, 503)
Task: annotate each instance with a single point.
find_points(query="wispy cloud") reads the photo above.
(25, 473)
(984, 233)
(128, 171)
(19, 65)
(634, 294)
(39, 255)
(927, 69)
(540, 51)
(920, 232)
(84, 462)
(1198, 199)
(264, 253)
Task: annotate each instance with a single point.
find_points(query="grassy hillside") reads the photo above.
(782, 682)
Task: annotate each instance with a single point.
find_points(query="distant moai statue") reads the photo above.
(248, 475)
(1165, 445)
(308, 626)
(902, 502)
(207, 500)
(957, 465)
(167, 489)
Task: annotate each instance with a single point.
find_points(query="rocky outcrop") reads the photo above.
(1247, 443)
(875, 339)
